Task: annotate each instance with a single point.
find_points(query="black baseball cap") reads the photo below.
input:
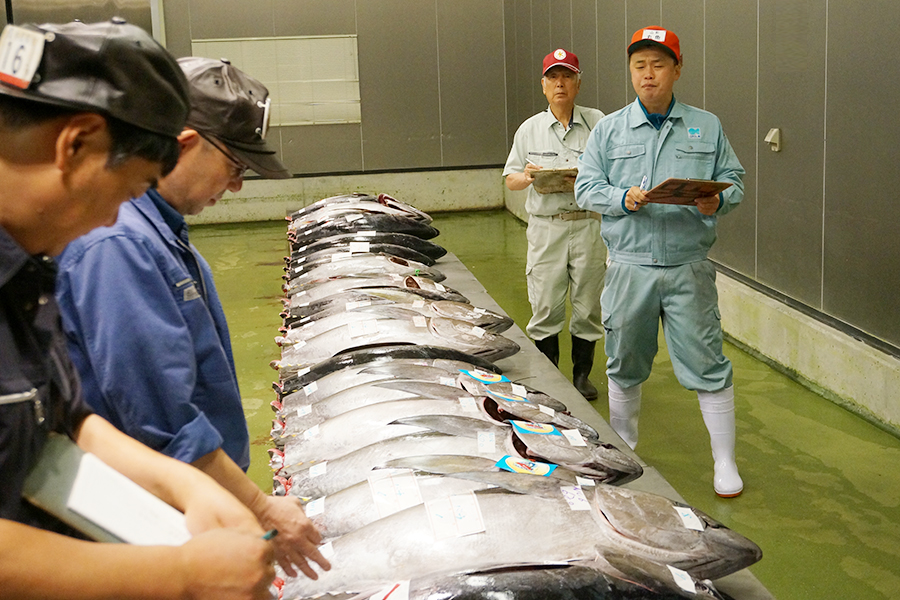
(111, 68)
(233, 107)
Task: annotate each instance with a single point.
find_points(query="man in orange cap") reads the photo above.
(658, 252)
(565, 251)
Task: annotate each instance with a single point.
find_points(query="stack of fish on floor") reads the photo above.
(429, 473)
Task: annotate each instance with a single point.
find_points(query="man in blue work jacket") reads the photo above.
(658, 252)
(153, 347)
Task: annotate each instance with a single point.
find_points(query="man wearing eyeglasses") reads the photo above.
(143, 321)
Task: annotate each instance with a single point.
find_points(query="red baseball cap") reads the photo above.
(656, 36)
(560, 57)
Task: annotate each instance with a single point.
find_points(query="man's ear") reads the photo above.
(188, 138)
(79, 135)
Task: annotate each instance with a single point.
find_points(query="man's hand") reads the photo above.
(297, 539)
(228, 565)
(707, 205)
(635, 198)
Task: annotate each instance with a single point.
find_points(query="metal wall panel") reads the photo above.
(862, 246)
(314, 17)
(398, 80)
(214, 19)
(584, 44)
(473, 102)
(730, 93)
(612, 41)
(541, 45)
(322, 148)
(685, 18)
(792, 98)
(512, 73)
(639, 13)
(559, 22)
(89, 11)
(177, 14)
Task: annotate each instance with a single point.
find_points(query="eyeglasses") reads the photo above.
(237, 167)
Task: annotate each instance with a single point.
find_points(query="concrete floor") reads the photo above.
(822, 487)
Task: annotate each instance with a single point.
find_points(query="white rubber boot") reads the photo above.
(624, 408)
(718, 414)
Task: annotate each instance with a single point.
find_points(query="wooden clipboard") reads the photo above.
(550, 181)
(685, 191)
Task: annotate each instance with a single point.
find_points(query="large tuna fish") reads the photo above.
(345, 241)
(338, 265)
(372, 357)
(489, 529)
(316, 291)
(306, 233)
(358, 202)
(419, 330)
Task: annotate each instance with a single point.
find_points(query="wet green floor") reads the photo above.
(822, 486)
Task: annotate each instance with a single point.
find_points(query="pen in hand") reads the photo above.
(270, 534)
(643, 183)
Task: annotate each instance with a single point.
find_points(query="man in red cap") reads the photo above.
(565, 251)
(659, 268)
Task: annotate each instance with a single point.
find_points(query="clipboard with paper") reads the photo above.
(549, 181)
(685, 191)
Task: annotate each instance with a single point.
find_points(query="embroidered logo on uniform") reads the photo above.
(694, 133)
(559, 54)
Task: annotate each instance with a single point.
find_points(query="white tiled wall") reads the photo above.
(312, 80)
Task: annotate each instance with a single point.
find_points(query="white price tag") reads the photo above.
(418, 304)
(574, 437)
(585, 482)
(361, 328)
(575, 497)
(367, 233)
(468, 404)
(304, 410)
(487, 442)
(303, 371)
(311, 433)
(419, 321)
(440, 288)
(683, 580)
(519, 390)
(448, 381)
(359, 247)
(478, 331)
(319, 469)
(689, 518)
(311, 388)
(327, 550)
(394, 490)
(315, 507)
(353, 217)
(20, 55)
(547, 410)
(455, 516)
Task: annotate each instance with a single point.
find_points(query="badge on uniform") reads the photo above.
(694, 133)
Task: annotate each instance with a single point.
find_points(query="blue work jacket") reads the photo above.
(150, 342)
(622, 149)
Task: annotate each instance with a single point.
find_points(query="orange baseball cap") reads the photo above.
(656, 36)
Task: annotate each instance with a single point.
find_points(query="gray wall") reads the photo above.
(445, 83)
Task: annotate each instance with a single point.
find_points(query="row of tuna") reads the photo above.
(428, 472)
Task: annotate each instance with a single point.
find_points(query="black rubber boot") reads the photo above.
(582, 363)
(550, 347)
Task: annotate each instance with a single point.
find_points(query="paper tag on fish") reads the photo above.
(689, 518)
(337, 256)
(303, 371)
(327, 550)
(315, 507)
(683, 580)
(574, 436)
(575, 497)
(319, 469)
(519, 390)
(361, 328)
(353, 217)
(468, 404)
(311, 433)
(354, 305)
(440, 288)
(585, 482)
(487, 442)
(367, 233)
(303, 249)
(419, 321)
(478, 310)
(516, 464)
(394, 490)
(304, 410)
(478, 331)
(304, 321)
(535, 428)
(484, 376)
(359, 246)
(395, 591)
(448, 381)
(311, 388)
(547, 411)
(455, 516)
